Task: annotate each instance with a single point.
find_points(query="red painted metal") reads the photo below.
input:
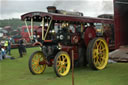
(62, 17)
(90, 33)
(69, 50)
(46, 62)
(121, 22)
(37, 43)
(47, 40)
(75, 38)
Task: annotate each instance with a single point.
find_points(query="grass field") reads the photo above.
(16, 72)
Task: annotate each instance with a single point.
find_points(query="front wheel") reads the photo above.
(62, 64)
(97, 53)
(34, 62)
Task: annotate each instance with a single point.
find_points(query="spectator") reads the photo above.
(35, 36)
(21, 47)
(3, 53)
(0, 46)
(9, 45)
(39, 38)
(24, 43)
(0, 52)
(6, 44)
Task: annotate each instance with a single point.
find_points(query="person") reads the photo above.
(21, 47)
(6, 44)
(35, 36)
(0, 46)
(4, 55)
(24, 49)
(0, 52)
(9, 45)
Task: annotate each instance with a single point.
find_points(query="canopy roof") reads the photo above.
(37, 16)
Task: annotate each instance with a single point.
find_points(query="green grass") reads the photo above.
(16, 72)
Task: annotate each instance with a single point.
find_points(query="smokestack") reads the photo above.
(51, 9)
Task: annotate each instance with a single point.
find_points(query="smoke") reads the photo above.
(15, 8)
(91, 8)
(107, 7)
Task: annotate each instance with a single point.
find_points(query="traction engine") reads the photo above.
(61, 34)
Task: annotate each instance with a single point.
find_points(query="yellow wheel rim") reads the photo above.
(36, 67)
(100, 53)
(63, 64)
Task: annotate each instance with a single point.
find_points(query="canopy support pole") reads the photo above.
(32, 28)
(47, 29)
(81, 27)
(27, 28)
(42, 28)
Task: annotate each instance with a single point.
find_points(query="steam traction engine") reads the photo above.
(62, 34)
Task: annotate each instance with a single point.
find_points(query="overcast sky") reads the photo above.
(15, 8)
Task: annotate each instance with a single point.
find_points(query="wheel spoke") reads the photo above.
(35, 61)
(63, 68)
(95, 52)
(103, 58)
(59, 59)
(33, 64)
(58, 66)
(102, 47)
(99, 43)
(94, 57)
(40, 67)
(96, 45)
(60, 69)
(58, 62)
(40, 57)
(63, 58)
(65, 63)
(98, 63)
(95, 61)
(35, 67)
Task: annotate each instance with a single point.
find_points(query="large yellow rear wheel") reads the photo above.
(34, 62)
(62, 64)
(97, 53)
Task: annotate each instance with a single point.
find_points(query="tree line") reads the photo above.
(14, 23)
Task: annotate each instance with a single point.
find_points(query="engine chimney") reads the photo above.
(51, 9)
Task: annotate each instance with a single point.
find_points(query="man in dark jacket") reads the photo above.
(9, 45)
(22, 48)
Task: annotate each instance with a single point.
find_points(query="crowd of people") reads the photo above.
(5, 49)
